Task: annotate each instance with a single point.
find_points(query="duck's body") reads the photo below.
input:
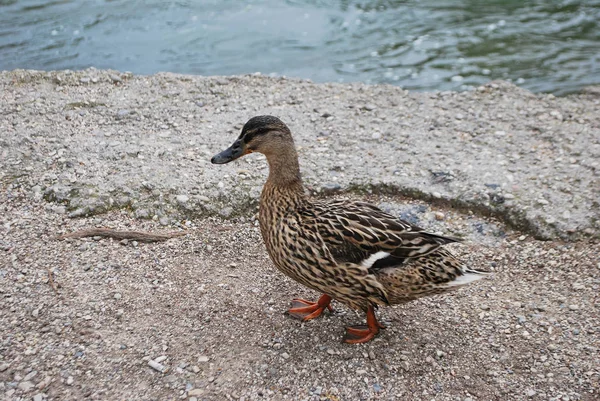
(350, 251)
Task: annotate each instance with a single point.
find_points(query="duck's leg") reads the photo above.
(306, 310)
(363, 334)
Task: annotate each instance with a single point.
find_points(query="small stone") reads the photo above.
(285, 355)
(330, 351)
(376, 135)
(4, 366)
(369, 107)
(26, 386)
(157, 366)
(38, 397)
(70, 381)
(203, 358)
(459, 116)
(522, 238)
(122, 113)
(331, 187)
(30, 375)
(439, 216)
(376, 387)
(182, 198)
(160, 358)
(195, 369)
(436, 195)
(117, 296)
(530, 393)
(195, 392)
(84, 80)
(573, 307)
(484, 307)
(115, 78)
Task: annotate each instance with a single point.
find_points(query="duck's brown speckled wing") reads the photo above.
(356, 230)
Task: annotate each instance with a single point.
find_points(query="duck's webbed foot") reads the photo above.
(361, 333)
(306, 310)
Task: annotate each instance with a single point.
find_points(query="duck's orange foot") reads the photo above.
(306, 310)
(359, 334)
(364, 333)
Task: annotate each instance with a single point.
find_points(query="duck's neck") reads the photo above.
(284, 172)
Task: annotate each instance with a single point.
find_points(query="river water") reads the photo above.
(545, 46)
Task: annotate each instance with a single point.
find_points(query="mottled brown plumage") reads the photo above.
(350, 251)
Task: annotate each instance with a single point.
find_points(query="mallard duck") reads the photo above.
(349, 251)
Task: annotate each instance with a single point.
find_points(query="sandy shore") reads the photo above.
(500, 166)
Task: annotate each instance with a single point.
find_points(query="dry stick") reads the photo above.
(139, 236)
(51, 281)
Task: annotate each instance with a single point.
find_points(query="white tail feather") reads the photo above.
(368, 262)
(465, 279)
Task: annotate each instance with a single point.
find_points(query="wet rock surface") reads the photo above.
(92, 143)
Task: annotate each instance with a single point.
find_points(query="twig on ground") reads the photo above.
(51, 281)
(139, 236)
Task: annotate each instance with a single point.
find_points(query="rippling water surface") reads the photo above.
(545, 46)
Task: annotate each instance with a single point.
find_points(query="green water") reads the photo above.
(545, 46)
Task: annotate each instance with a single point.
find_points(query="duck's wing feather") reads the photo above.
(363, 232)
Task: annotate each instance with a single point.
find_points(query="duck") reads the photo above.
(347, 250)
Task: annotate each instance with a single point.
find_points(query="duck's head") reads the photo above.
(264, 134)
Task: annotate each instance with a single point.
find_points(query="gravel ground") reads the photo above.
(207, 310)
(201, 317)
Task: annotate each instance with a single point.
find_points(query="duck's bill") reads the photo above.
(231, 153)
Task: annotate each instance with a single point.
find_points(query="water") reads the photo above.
(542, 45)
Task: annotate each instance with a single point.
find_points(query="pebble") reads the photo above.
(203, 358)
(376, 135)
(369, 107)
(439, 216)
(4, 366)
(115, 78)
(157, 366)
(195, 392)
(26, 386)
(182, 198)
(531, 393)
(285, 355)
(30, 375)
(573, 307)
(70, 381)
(330, 351)
(38, 397)
(331, 187)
